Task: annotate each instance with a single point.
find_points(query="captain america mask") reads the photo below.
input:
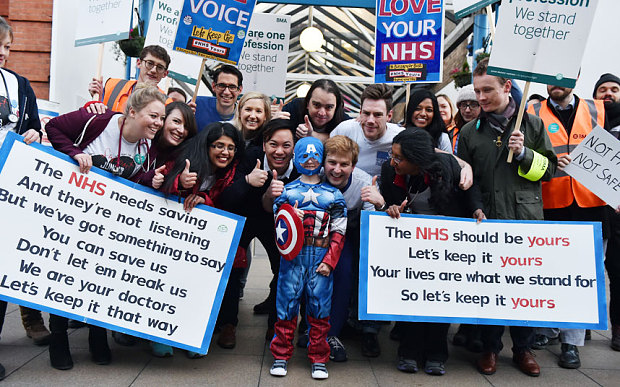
(308, 148)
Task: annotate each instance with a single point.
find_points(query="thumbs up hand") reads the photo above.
(305, 129)
(257, 177)
(158, 179)
(371, 194)
(186, 178)
(276, 187)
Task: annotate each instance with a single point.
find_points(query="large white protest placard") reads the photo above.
(102, 21)
(463, 8)
(162, 30)
(596, 164)
(264, 57)
(549, 38)
(95, 248)
(437, 269)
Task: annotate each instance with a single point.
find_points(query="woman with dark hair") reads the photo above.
(179, 126)
(205, 165)
(423, 112)
(419, 180)
(319, 112)
(203, 169)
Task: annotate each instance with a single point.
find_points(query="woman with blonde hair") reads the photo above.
(252, 113)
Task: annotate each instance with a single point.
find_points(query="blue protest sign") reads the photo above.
(214, 29)
(409, 40)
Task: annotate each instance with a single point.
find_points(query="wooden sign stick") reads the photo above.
(526, 91)
(202, 69)
(491, 22)
(99, 66)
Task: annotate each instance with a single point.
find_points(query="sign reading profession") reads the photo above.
(596, 164)
(463, 8)
(549, 38)
(439, 269)
(409, 40)
(92, 248)
(265, 54)
(162, 27)
(101, 21)
(214, 29)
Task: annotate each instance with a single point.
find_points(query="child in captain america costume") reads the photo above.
(309, 273)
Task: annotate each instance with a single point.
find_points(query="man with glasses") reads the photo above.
(227, 85)
(153, 67)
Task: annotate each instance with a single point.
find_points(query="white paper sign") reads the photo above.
(92, 248)
(596, 164)
(437, 269)
(463, 8)
(162, 30)
(102, 21)
(264, 57)
(540, 41)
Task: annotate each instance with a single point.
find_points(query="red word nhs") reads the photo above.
(439, 234)
(83, 182)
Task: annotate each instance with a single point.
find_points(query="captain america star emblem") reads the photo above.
(289, 232)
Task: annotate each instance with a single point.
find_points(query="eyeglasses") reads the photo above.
(149, 64)
(222, 86)
(219, 146)
(472, 105)
(396, 159)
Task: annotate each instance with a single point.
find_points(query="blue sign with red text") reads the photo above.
(409, 41)
(214, 29)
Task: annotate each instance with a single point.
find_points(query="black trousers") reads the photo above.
(612, 264)
(263, 228)
(3, 305)
(424, 341)
(522, 338)
(229, 310)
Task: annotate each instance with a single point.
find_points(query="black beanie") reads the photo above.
(608, 77)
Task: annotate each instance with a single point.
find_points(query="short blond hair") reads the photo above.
(342, 145)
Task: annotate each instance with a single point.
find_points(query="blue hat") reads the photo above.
(305, 149)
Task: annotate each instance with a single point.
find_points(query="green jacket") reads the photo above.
(498, 189)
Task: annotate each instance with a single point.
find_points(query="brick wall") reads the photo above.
(31, 21)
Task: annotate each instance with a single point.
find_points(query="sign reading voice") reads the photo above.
(596, 164)
(408, 41)
(549, 38)
(92, 248)
(162, 28)
(102, 21)
(265, 54)
(214, 29)
(464, 8)
(527, 273)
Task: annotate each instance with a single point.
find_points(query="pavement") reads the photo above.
(249, 362)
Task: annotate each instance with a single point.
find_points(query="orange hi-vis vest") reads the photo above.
(562, 189)
(116, 93)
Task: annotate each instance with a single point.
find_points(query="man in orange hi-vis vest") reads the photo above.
(153, 65)
(568, 120)
(607, 89)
